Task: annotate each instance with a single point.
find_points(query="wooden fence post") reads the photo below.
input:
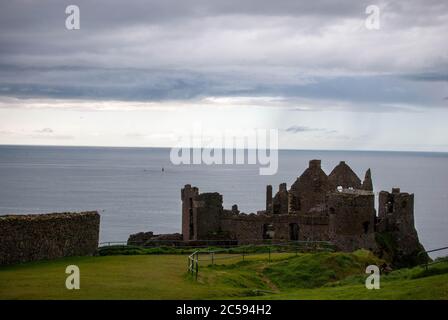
(197, 265)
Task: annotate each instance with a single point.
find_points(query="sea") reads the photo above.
(138, 189)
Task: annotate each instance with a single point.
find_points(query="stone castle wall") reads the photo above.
(313, 227)
(207, 210)
(25, 238)
(247, 228)
(396, 222)
(352, 219)
(338, 208)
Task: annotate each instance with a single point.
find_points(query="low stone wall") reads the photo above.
(150, 239)
(25, 238)
(249, 227)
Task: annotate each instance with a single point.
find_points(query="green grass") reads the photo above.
(315, 270)
(430, 288)
(113, 277)
(285, 276)
(138, 250)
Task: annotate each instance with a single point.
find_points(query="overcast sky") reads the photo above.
(137, 72)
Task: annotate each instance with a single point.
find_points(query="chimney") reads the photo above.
(315, 164)
(268, 198)
(282, 187)
(367, 184)
(395, 190)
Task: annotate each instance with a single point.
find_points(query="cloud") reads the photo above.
(45, 130)
(39, 134)
(47, 133)
(437, 77)
(297, 129)
(153, 51)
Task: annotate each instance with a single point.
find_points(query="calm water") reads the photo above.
(131, 193)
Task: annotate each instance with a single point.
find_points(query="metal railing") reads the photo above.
(439, 260)
(242, 252)
(193, 264)
(186, 244)
(112, 243)
(192, 244)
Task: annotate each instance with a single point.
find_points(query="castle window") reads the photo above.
(365, 225)
(390, 204)
(390, 207)
(191, 223)
(293, 231)
(332, 211)
(268, 231)
(276, 208)
(404, 204)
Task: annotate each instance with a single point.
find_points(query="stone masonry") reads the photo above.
(25, 238)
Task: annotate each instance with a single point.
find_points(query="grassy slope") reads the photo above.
(315, 270)
(434, 287)
(308, 276)
(111, 277)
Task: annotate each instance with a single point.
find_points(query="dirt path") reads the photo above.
(265, 279)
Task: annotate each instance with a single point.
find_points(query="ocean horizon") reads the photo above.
(127, 186)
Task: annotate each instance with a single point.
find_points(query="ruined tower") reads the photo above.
(201, 213)
(397, 207)
(268, 199)
(397, 229)
(280, 201)
(188, 194)
(352, 219)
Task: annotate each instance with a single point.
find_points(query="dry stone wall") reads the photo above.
(25, 238)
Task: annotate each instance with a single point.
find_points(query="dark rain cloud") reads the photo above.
(184, 50)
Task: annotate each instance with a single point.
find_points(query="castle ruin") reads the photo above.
(338, 208)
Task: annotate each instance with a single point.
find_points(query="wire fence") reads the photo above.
(203, 244)
(241, 253)
(428, 262)
(206, 252)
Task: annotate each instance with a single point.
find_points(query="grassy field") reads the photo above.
(286, 276)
